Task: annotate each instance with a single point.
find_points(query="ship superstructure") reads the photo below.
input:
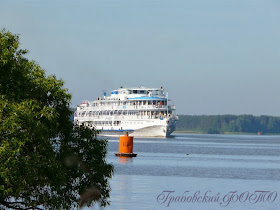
(142, 111)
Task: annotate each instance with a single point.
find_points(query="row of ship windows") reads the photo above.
(149, 102)
(111, 113)
(138, 92)
(116, 123)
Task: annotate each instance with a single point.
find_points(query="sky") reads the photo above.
(213, 57)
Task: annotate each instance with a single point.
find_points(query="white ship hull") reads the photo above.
(138, 128)
(148, 131)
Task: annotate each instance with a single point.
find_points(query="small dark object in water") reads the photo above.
(125, 154)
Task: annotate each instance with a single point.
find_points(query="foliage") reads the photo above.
(45, 161)
(214, 124)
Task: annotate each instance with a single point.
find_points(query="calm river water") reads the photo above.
(193, 171)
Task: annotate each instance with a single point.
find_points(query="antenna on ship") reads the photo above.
(104, 94)
(167, 102)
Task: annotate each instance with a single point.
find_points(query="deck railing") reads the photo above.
(122, 117)
(128, 107)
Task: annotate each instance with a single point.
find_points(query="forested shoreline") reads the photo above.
(219, 124)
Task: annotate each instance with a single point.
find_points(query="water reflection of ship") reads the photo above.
(123, 186)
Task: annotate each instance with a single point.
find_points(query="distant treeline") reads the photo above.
(215, 124)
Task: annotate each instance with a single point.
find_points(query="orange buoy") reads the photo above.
(126, 146)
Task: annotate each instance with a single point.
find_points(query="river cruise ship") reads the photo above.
(142, 112)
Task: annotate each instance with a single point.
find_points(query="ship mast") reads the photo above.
(167, 102)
